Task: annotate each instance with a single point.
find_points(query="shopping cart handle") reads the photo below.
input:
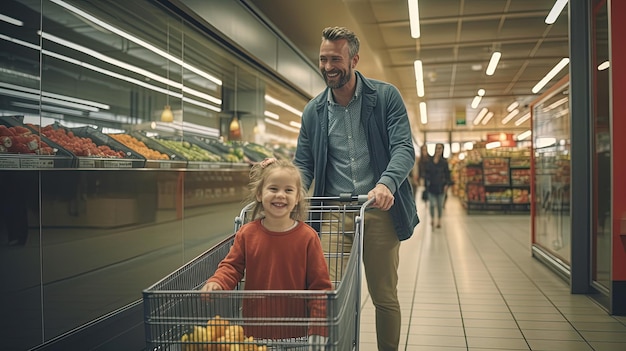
(347, 197)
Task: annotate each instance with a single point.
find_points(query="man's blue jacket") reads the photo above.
(388, 134)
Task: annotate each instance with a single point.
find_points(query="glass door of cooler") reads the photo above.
(601, 251)
(551, 228)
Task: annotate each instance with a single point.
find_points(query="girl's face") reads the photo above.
(279, 194)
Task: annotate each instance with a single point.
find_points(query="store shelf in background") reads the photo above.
(131, 158)
(175, 160)
(32, 157)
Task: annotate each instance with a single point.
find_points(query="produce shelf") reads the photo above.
(58, 157)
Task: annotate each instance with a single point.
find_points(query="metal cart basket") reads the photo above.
(178, 316)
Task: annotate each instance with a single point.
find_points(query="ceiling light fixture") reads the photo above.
(510, 116)
(271, 115)
(476, 101)
(522, 119)
(419, 77)
(282, 126)
(130, 67)
(13, 21)
(604, 65)
(487, 118)
(493, 145)
(523, 135)
(493, 63)
(414, 18)
(556, 10)
(553, 72)
(136, 40)
(480, 116)
(481, 92)
(283, 105)
(107, 72)
(423, 115)
(512, 106)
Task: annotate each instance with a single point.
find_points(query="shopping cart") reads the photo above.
(180, 317)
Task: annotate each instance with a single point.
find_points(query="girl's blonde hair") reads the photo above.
(258, 175)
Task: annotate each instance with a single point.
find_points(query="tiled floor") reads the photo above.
(473, 285)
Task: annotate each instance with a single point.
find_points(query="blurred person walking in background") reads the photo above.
(437, 177)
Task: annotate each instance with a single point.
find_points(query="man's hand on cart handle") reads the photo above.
(211, 286)
(384, 197)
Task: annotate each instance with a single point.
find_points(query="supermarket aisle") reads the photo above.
(473, 285)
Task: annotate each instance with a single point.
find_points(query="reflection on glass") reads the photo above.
(601, 157)
(551, 144)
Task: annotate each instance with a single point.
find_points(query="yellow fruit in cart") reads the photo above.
(217, 327)
(234, 333)
(262, 348)
(223, 344)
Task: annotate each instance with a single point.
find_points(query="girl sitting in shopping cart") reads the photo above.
(276, 251)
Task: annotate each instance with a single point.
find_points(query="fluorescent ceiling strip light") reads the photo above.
(523, 135)
(604, 65)
(20, 42)
(510, 116)
(58, 98)
(522, 119)
(544, 142)
(419, 77)
(493, 63)
(493, 145)
(295, 124)
(201, 104)
(192, 127)
(556, 10)
(414, 18)
(48, 108)
(129, 67)
(18, 74)
(512, 106)
(476, 101)
(36, 97)
(555, 104)
(11, 20)
(561, 113)
(487, 118)
(109, 73)
(136, 40)
(480, 116)
(271, 115)
(130, 80)
(282, 126)
(423, 114)
(77, 100)
(419, 84)
(553, 72)
(283, 105)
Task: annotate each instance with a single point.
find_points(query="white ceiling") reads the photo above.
(457, 39)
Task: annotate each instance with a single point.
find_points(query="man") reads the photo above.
(355, 138)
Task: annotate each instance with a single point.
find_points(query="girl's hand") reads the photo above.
(211, 286)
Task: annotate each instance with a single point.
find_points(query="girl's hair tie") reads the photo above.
(266, 162)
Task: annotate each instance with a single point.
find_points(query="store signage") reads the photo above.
(460, 117)
(505, 139)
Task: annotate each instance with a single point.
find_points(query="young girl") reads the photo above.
(276, 251)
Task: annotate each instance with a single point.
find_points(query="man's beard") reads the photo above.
(342, 79)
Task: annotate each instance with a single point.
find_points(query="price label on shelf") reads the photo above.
(118, 164)
(9, 162)
(36, 163)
